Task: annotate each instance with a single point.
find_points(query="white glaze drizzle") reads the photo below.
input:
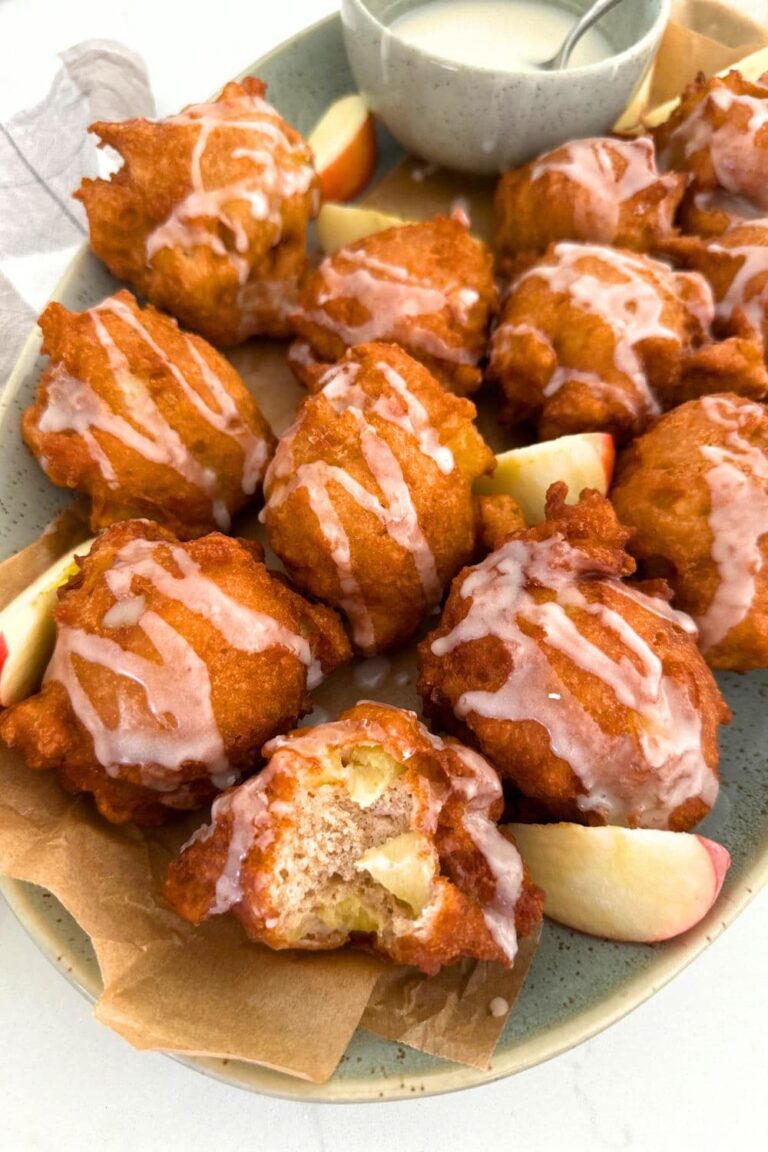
(403, 409)
(394, 509)
(739, 165)
(479, 791)
(743, 292)
(72, 404)
(176, 687)
(590, 164)
(669, 728)
(273, 179)
(738, 517)
(632, 309)
(479, 787)
(391, 295)
(223, 415)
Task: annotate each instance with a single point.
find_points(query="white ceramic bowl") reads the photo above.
(485, 121)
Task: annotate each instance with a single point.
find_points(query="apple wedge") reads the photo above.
(344, 144)
(339, 225)
(27, 630)
(584, 460)
(631, 884)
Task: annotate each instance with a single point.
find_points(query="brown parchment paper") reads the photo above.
(209, 991)
(702, 36)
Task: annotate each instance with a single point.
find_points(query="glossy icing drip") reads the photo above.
(249, 811)
(632, 308)
(479, 790)
(611, 173)
(390, 295)
(745, 292)
(175, 687)
(399, 407)
(738, 517)
(199, 218)
(738, 162)
(222, 414)
(394, 508)
(73, 405)
(667, 745)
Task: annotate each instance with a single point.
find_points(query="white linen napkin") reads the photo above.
(45, 150)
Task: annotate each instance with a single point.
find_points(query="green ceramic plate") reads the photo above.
(577, 985)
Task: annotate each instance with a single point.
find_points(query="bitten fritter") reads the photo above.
(718, 138)
(736, 266)
(367, 829)
(600, 339)
(427, 286)
(694, 491)
(369, 497)
(146, 419)
(587, 693)
(600, 190)
(207, 217)
(173, 664)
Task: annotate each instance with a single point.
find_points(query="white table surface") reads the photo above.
(685, 1071)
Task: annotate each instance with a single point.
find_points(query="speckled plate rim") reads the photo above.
(439, 1076)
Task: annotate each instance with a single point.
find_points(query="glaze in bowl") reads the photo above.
(484, 121)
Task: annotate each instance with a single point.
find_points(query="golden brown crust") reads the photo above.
(543, 202)
(253, 694)
(383, 569)
(661, 493)
(107, 381)
(599, 339)
(520, 749)
(436, 256)
(709, 137)
(242, 280)
(736, 266)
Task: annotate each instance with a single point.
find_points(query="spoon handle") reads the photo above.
(598, 9)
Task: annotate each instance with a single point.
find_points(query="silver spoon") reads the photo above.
(560, 60)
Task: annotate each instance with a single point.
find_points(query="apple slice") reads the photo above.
(337, 225)
(632, 884)
(344, 144)
(584, 460)
(27, 630)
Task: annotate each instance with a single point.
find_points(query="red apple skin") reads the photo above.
(347, 175)
(609, 460)
(721, 862)
(720, 858)
(3, 652)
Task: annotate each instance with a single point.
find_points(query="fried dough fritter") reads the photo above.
(146, 419)
(427, 286)
(369, 497)
(586, 692)
(600, 339)
(736, 266)
(599, 190)
(694, 491)
(173, 664)
(718, 137)
(366, 829)
(208, 215)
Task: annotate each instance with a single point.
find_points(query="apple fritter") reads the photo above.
(369, 499)
(173, 664)
(586, 692)
(427, 286)
(146, 419)
(207, 217)
(367, 829)
(694, 492)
